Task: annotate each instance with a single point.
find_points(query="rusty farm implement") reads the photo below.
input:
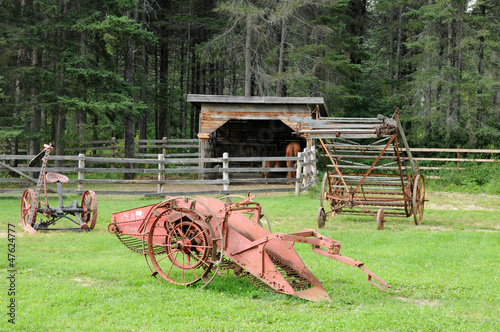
(191, 240)
(84, 216)
(367, 169)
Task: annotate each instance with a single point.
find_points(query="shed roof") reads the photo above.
(216, 110)
(197, 100)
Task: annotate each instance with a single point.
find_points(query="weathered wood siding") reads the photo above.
(214, 116)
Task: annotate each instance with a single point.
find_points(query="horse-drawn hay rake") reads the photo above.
(84, 215)
(367, 172)
(191, 240)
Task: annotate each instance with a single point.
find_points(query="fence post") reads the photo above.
(81, 176)
(306, 174)
(298, 172)
(458, 159)
(161, 175)
(164, 145)
(113, 144)
(225, 166)
(314, 165)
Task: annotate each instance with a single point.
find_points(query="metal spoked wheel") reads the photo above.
(26, 201)
(321, 217)
(182, 244)
(335, 188)
(89, 206)
(409, 197)
(324, 184)
(418, 199)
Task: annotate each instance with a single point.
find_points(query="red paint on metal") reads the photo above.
(187, 240)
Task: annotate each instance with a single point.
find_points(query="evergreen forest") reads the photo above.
(76, 70)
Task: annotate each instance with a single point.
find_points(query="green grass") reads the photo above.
(444, 275)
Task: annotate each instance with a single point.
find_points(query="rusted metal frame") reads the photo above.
(361, 206)
(341, 202)
(327, 171)
(355, 165)
(403, 186)
(375, 162)
(366, 212)
(373, 174)
(351, 143)
(168, 204)
(330, 244)
(355, 145)
(375, 192)
(243, 206)
(406, 194)
(367, 201)
(334, 165)
(363, 153)
(41, 178)
(414, 166)
(355, 263)
(363, 156)
(374, 183)
(259, 255)
(383, 199)
(371, 276)
(363, 192)
(245, 201)
(349, 201)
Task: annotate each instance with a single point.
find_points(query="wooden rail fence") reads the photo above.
(171, 148)
(160, 160)
(190, 148)
(158, 173)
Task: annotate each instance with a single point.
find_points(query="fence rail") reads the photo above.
(159, 169)
(172, 159)
(419, 153)
(114, 147)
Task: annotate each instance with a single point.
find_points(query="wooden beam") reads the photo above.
(26, 176)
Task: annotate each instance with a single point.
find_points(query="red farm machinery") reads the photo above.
(191, 240)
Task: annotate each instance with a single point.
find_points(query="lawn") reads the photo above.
(445, 275)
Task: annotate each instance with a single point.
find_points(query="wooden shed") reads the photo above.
(251, 127)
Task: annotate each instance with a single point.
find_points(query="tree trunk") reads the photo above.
(163, 109)
(59, 136)
(248, 58)
(398, 44)
(497, 96)
(449, 78)
(143, 121)
(129, 123)
(182, 79)
(390, 61)
(458, 58)
(36, 119)
(280, 85)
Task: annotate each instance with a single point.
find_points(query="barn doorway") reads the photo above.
(254, 138)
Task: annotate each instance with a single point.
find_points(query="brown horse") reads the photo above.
(292, 150)
(271, 164)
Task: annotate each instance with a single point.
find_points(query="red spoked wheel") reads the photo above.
(182, 243)
(89, 206)
(418, 199)
(330, 193)
(26, 202)
(321, 217)
(188, 245)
